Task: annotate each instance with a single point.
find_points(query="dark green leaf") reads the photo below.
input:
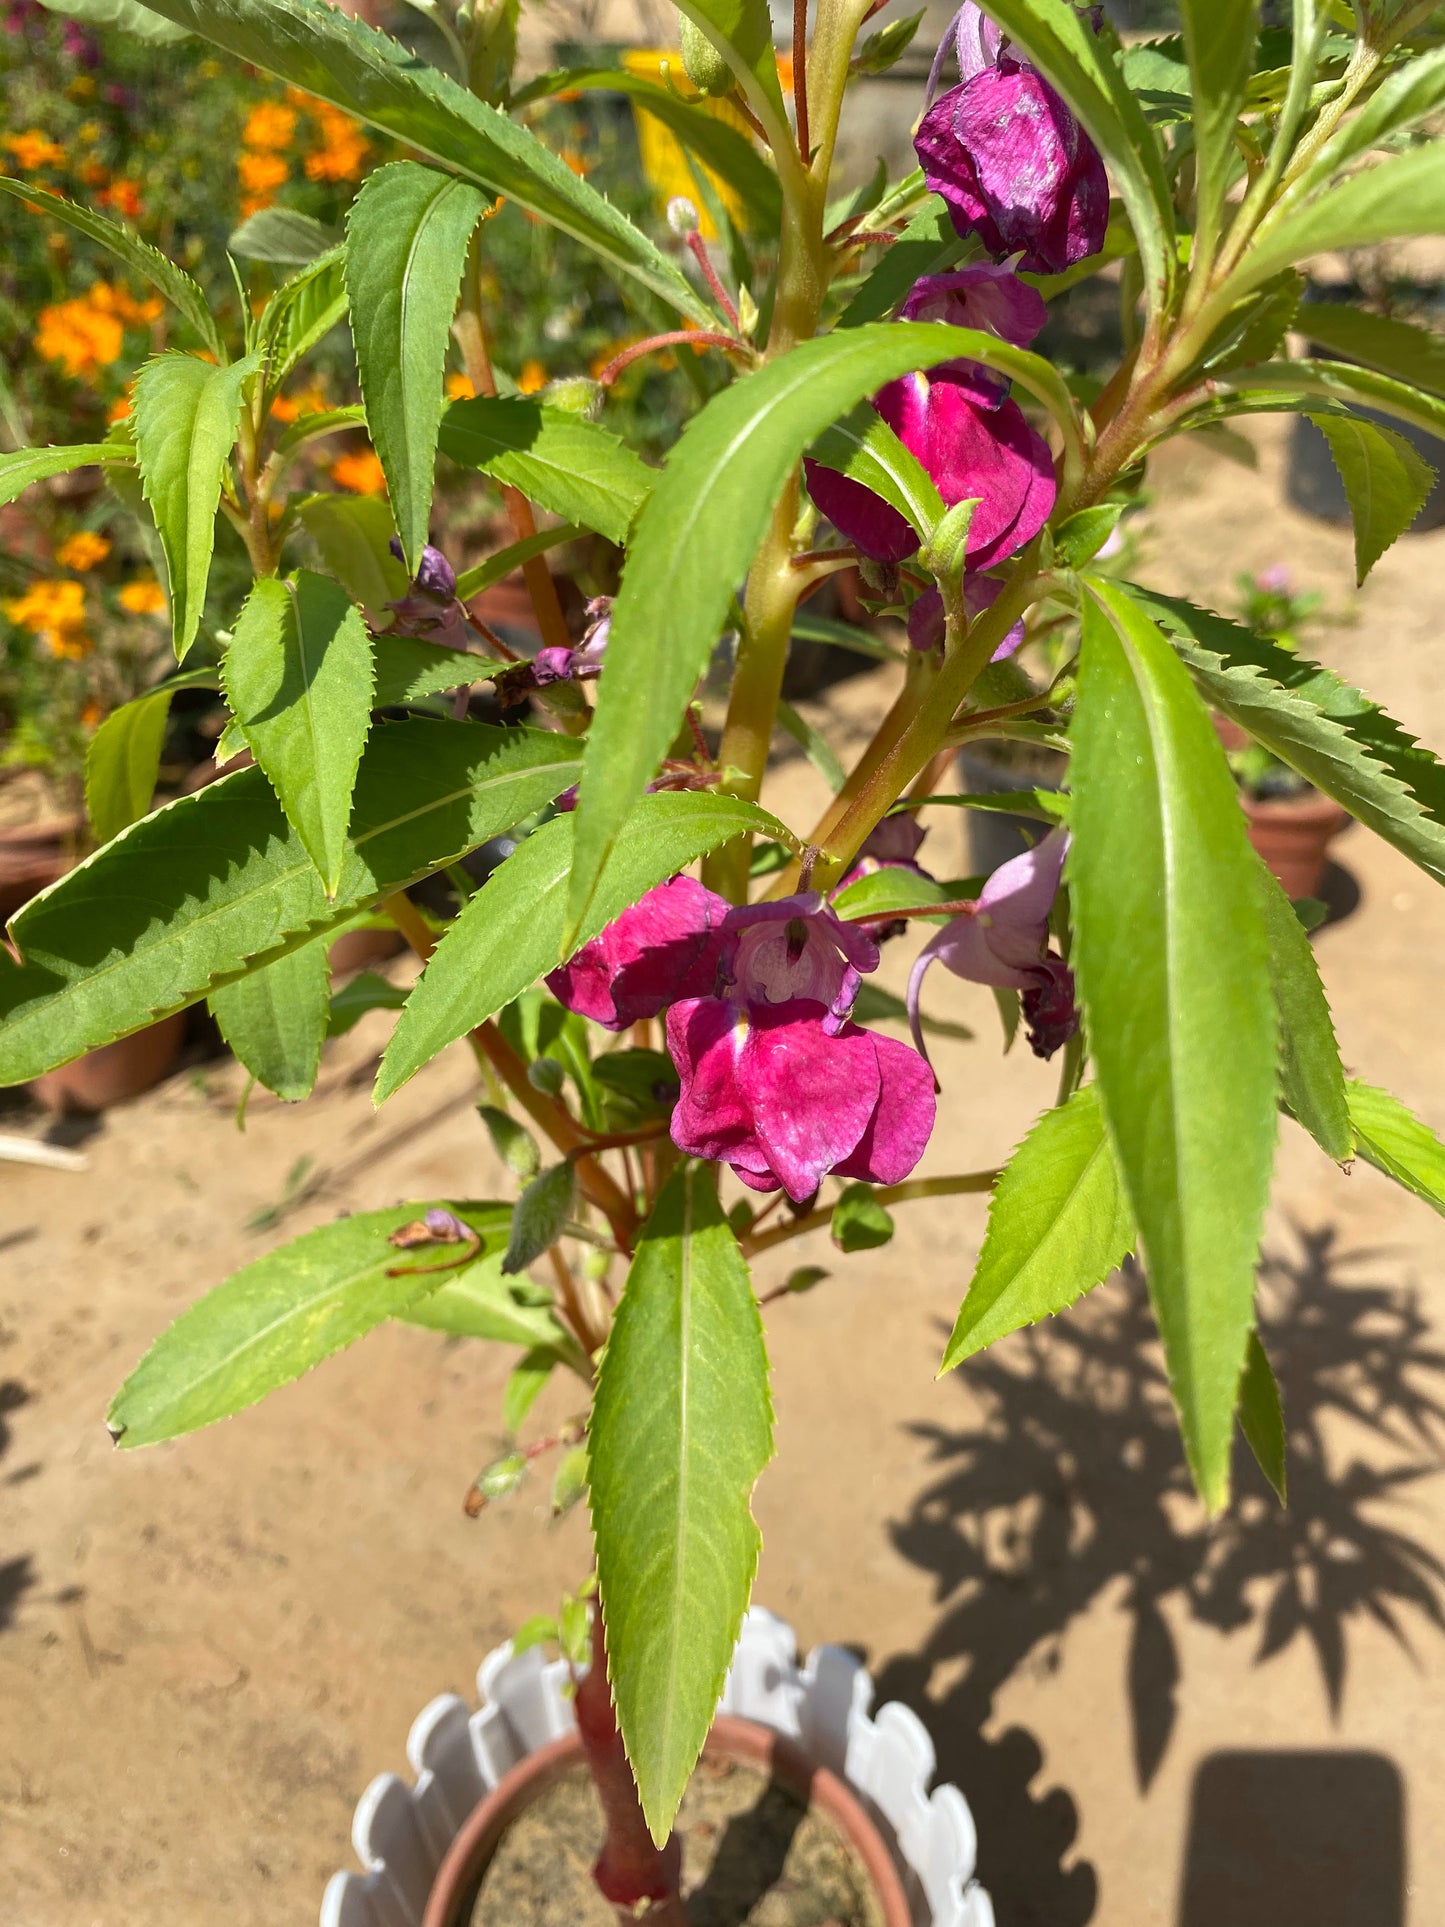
(479, 1302)
(1058, 1224)
(275, 1020)
(1292, 384)
(295, 319)
(123, 761)
(472, 581)
(1396, 348)
(929, 244)
(317, 47)
(408, 669)
(511, 932)
(353, 533)
(698, 533)
(1397, 1143)
(139, 256)
(1171, 959)
(406, 245)
(681, 1430)
(859, 1221)
(541, 1211)
(217, 883)
(574, 468)
(1261, 1418)
(804, 1278)
(1386, 483)
(1311, 1079)
(283, 237)
(1080, 538)
(268, 1324)
(364, 993)
(298, 678)
(186, 414)
(28, 465)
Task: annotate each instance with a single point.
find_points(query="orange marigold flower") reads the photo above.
(70, 645)
(343, 159)
(269, 124)
(532, 377)
(143, 597)
(361, 472)
(309, 401)
(79, 336)
(83, 550)
(575, 161)
(111, 300)
(91, 715)
(92, 173)
(34, 149)
(119, 409)
(260, 173)
(459, 387)
(54, 610)
(123, 197)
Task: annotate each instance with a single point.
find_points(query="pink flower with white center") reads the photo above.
(797, 948)
(771, 1091)
(1003, 940)
(669, 945)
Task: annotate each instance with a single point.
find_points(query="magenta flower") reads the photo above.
(1009, 158)
(797, 948)
(669, 945)
(1003, 939)
(986, 296)
(772, 1092)
(926, 618)
(988, 453)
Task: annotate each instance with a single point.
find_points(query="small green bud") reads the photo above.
(701, 61)
(576, 394)
(944, 552)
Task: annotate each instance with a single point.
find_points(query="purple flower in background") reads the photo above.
(669, 945)
(892, 844)
(79, 45)
(796, 948)
(1009, 158)
(986, 296)
(1002, 940)
(774, 1093)
(926, 618)
(583, 663)
(987, 452)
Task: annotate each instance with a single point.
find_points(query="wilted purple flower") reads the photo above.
(1009, 158)
(892, 844)
(926, 620)
(987, 453)
(784, 1101)
(669, 945)
(1002, 940)
(990, 297)
(796, 948)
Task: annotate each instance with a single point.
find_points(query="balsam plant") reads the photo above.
(694, 1021)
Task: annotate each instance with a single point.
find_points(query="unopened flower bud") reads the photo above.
(577, 394)
(682, 216)
(701, 61)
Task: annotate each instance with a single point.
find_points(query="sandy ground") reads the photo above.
(208, 1649)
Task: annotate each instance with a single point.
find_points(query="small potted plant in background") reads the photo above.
(664, 982)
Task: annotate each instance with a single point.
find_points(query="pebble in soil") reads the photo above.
(753, 1855)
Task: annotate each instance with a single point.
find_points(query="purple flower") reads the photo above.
(892, 844)
(784, 1101)
(1003, 939)
(429, 608)
(797, 948)
(926, 617)
(558, 664)
(986, 296)
(1009, 158)
(986, 452)
(669, 945)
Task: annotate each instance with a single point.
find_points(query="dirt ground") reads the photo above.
(208, 1649)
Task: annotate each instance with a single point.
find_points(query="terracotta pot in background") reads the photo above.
(32, 856)
(1293, 835)
(743, 1742)
(355, 949)
(116, 1072)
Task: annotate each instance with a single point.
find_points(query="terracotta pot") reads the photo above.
(742, 1741)
(115, 1072)
(31, 857)
(1293, 835)
(355, 949)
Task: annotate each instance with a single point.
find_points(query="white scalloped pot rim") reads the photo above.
(402, 1832)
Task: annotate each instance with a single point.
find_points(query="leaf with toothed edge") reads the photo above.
(275, 1020)
(218, 883)
(1396, 1142)
(1311, 1077)
(1386, 483)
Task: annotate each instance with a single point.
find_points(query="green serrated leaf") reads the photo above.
(1171, 960)
(184, 295)
(480, 1303)
(1331, 734)
(859, 1221)
(275, 1020)
(813, 743)
(353, 533)
(364, 993)
(929, 244)
(511, 932)
(123, 761)
(1219, 37)
(1386, 483)
(298, 678)
(701, 527)
(472, 581)
(406, 245)
(268, 1324)
(1058, 1224)
(1261, 1418)
(297, 317)
(215, 884)
(1403, 101)
(681, 1430)
(542, 1210)
(408, 670)
(1311, 1078)
(1397, 198)
(29, 465)
(1395, 1141)
(283, 237)
(574, 468)
(185, 415)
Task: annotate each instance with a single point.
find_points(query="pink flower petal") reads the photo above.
(902, 1121)
(875, 528)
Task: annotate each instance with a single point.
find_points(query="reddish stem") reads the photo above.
(630, 1870)
(698, 248)
(800, 76)
(694, 337)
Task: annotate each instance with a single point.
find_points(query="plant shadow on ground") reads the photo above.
(1070, 1483)
(17, 1575)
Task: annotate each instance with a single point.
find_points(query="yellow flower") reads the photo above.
(309, 401)
(90, 131)
(361, 472)
(54, 610)
(260, 173)
(532, 377)
(269, 124)
(70, 645)
(143, 597)
(83, 551)
(34, 149)
(459, 388)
